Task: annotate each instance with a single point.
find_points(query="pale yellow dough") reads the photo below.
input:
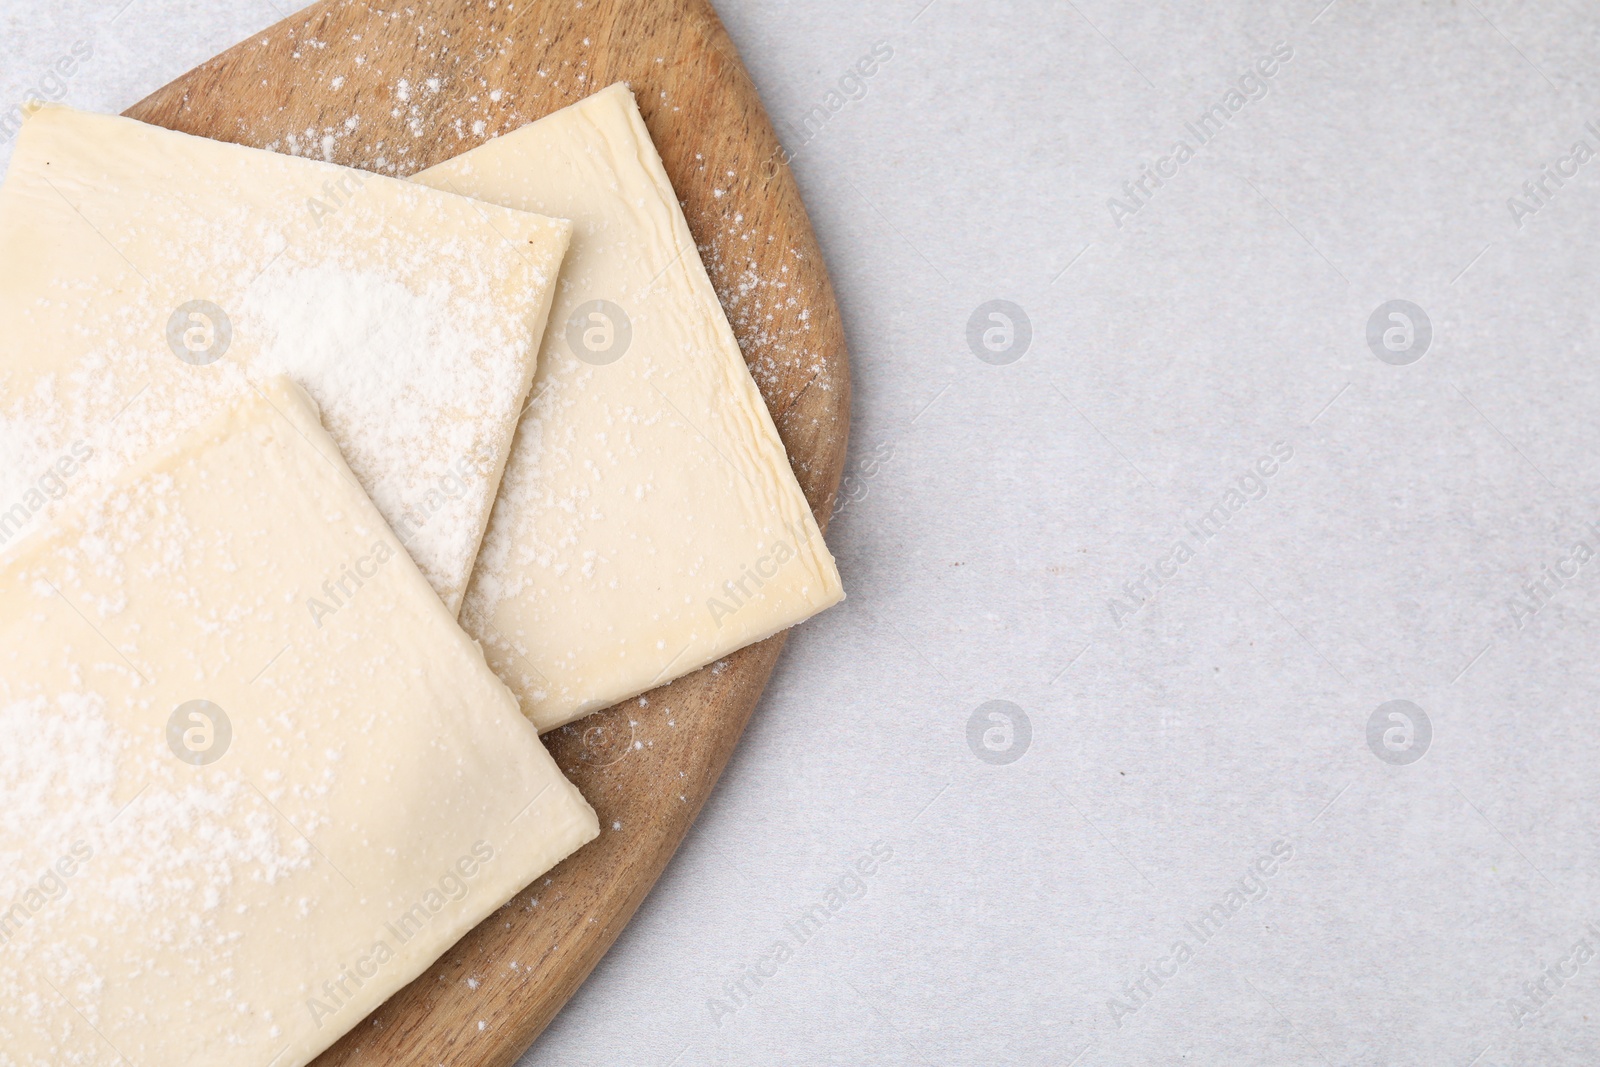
(649, 522)
(380, 794)
(411, 316)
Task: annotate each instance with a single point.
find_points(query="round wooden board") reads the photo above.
(292, 89)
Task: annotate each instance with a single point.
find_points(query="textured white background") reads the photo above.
(1008, 505)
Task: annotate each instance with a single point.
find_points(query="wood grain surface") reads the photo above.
(425, 80)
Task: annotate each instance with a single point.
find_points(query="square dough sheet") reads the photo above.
(145, 273)
(256, 777)
(648, 522)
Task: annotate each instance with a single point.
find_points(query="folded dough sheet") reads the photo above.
(255, 776)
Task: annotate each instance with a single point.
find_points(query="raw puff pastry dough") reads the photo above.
(379, 795)
(410, 316)
(649, 522)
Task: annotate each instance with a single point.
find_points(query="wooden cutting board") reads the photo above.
(497, 67)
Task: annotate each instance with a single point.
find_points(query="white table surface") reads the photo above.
(1001, 508)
